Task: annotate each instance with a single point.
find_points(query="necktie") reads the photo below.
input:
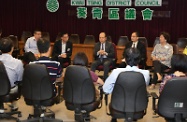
(101, 56)
(102, 46)
(133, 45)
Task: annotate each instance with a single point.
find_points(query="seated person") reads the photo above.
(54, 68)
(30, 45)
(28, 57)
(14, 67)
(103, 53)
(161, 56)
(185, 50)
(62, 50)
(82, 60)
(179, 69)
(132, 57)
(134, 43)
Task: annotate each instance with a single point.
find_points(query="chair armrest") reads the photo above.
(148, 94)
(19, 84)
(154, 97)
(59, 96)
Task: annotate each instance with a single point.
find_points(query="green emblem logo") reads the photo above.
(52, 5)
(147, 14)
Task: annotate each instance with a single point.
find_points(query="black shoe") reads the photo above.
(113, 120)
(14, 109)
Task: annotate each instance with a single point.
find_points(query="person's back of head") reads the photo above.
(179, 63)
(132, 56)
(6, 45)
(80, 59)
(28, 57)
(43, 45)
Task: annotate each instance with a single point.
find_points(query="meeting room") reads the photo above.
(93, 61)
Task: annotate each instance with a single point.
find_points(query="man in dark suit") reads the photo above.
(134, 43)
(103, 53)
(62, 50)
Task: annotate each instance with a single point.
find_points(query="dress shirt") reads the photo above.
(104, 56)
(31, 45)
(165, 51)
(134, 44)
(54, 67)
(110, 81)
(63, 48)
(14, 68)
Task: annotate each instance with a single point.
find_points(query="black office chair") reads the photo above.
(109, 39)
(175, 48)
(5, 95)
(16, 51)
(129, 97)
(25, 35)
(58, 37)
(182, 43)
(157, 41)
(46, 36)
(38, 91)
(142, 64)
(123, 40)
(89, 39)
(79, 92)
(74, 38)
(143, 40)
(172, 102)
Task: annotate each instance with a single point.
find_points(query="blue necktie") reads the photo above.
(101, 56)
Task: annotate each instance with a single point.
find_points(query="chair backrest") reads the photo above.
(89, 39)
(4, 81)
(143, 40)
(173, 98)
(130, 92)
(123, 40)
(109, 39)
(15, 41)
(157, 41)
(175, 48)
(58, 37)
(25, 35)
(115, 51)
(36, 83)
(78, 85)
(182, 42)
(46, 36)
(74, 38)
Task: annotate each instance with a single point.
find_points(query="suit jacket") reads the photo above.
(108, 48)
(57, 49)
(140, 46)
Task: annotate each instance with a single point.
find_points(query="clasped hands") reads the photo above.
(159, 59)
(102, 52)
(63, 55)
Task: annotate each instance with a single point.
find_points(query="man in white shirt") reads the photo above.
(14, 67)
(132, 57)
(30, 45)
